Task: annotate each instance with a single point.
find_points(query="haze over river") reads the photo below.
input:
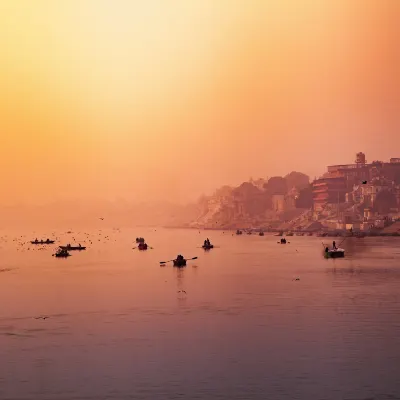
(117, 328)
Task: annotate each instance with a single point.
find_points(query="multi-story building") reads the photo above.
(360, 178)
(328, 190)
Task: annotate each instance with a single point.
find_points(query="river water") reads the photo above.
(119, 327)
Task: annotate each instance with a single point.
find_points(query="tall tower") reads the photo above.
(360, 159)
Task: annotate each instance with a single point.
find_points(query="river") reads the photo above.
(119, 325)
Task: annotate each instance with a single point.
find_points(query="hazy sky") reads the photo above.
(167, 99)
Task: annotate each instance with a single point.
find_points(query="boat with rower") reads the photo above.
(207, 245)
(333, 253)
(142, 246)
(179, 262)
(61, 253)
(69, 247)
(48, 241)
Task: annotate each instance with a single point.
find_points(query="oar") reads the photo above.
(164, 262)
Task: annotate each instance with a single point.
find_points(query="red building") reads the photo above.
(328, 190)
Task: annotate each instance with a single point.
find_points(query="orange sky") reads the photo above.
(156, 99)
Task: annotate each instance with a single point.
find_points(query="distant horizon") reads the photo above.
(132, 201)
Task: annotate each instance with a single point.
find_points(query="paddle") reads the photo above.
(188, 259)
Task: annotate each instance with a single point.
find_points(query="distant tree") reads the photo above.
(297, 180)
(276, 185)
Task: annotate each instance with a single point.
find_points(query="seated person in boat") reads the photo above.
(334, 246)
(179, 258)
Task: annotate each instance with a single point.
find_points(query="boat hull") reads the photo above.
(334, 254)
(43, 242)
(72, 248)
(208, 247)
(179, 263)
(62, 255)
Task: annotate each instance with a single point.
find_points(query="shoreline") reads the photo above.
(323, 233)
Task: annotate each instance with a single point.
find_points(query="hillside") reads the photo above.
(255, 205)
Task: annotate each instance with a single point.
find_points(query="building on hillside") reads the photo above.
(278, 202)
(282, 202)
(358, 183)
(328, 190)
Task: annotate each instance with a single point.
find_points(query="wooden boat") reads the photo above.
(142, 246)
(62, 254)
(334, 253)
(69, 247)
(261, 234)
(42, 241)
(180, 263)
(208, 247)
(238, 232)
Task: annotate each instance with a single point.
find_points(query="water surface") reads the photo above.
(119, 327)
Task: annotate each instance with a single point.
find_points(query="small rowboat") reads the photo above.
(62, 254)
(334, 253)
(180, 263)
(73, 248)
(42, 241)
(208, 247)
